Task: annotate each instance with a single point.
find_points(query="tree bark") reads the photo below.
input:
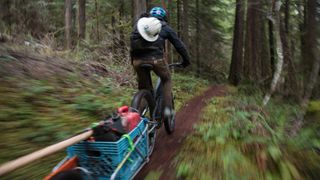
(305, 60)
(271, 46)
(5, 13)
(252, 55)
(138, 7)
(81, 19)
(312, 27)
(113, 31)
(97, 20)
(265, 63)
(179, 17)
(149, 5)
(185, 22)
(235, 71)
(68, 21)
(198, 38)
(122, 36)
(279, 65)
(312, 42)
(291, 86)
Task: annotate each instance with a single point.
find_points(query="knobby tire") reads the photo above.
(143, 101)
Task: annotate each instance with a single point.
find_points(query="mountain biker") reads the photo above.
(149, 49)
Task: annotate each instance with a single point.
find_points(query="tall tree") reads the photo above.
(198, 37)
(138, 7)
(271, 46)
(237, 47)
(68, 21)
(122, 20)
(291, 86)
(185, 22)
(81, 19)
(96, 6)
(276, 6)
(252, 56)
(312, 43)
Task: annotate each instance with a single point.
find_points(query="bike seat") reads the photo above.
(146, 66)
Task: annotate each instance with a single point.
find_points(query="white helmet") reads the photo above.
(149, 28)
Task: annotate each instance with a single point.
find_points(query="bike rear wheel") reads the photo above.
(143, 102)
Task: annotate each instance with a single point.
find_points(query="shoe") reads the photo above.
(168, 113)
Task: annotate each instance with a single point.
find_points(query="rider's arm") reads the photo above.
(178, 44)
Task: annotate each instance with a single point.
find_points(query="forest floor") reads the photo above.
(168, 146)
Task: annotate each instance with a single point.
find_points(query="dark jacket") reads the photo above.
(142, 49)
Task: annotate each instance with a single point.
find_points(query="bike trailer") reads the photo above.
(109, 160)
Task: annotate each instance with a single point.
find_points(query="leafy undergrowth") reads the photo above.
(235, 140)
(46, 99)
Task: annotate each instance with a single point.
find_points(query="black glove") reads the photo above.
(185, 63)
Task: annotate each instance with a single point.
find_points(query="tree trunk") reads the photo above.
(237, 47)
(252, 57)
(271, 46)
(179, 17)
(68, 21)
(185, 23)
(291, 87)
(5, 14)
(149, 5)
(312, 27)
(279, 65)
(122, 37)
(265, 64)
(114, 34)
(138, 7)
(198, 38)
(81, 19)
(305, 61)
(97, 20)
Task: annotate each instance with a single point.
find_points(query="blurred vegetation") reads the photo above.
(235, 140)
(45, 99)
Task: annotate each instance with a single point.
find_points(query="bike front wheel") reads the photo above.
(169, 122)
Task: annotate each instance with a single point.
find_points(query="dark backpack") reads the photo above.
(110, 130)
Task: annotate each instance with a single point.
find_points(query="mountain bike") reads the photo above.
(150, 105)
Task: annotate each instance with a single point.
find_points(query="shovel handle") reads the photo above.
(14, 164)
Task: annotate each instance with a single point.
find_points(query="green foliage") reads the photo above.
(153, 175)
(184, 87)
(236, 140)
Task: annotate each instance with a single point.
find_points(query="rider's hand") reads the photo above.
(185, 64)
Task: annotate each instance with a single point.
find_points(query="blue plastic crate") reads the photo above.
(102, 158)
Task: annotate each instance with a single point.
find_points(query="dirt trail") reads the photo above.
(167, 146)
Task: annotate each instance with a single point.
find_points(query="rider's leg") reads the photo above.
(144, 78)
(162, 70)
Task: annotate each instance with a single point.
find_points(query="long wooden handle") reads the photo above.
(14, 164)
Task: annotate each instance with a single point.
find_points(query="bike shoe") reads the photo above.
(168, 112)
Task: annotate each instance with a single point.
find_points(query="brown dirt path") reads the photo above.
(167, 146)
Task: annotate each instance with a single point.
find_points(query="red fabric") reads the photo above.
(129, 119)
(133, 120)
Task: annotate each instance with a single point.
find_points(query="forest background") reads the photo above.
(265, 49)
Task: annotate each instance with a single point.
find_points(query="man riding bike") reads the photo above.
(149, 49)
